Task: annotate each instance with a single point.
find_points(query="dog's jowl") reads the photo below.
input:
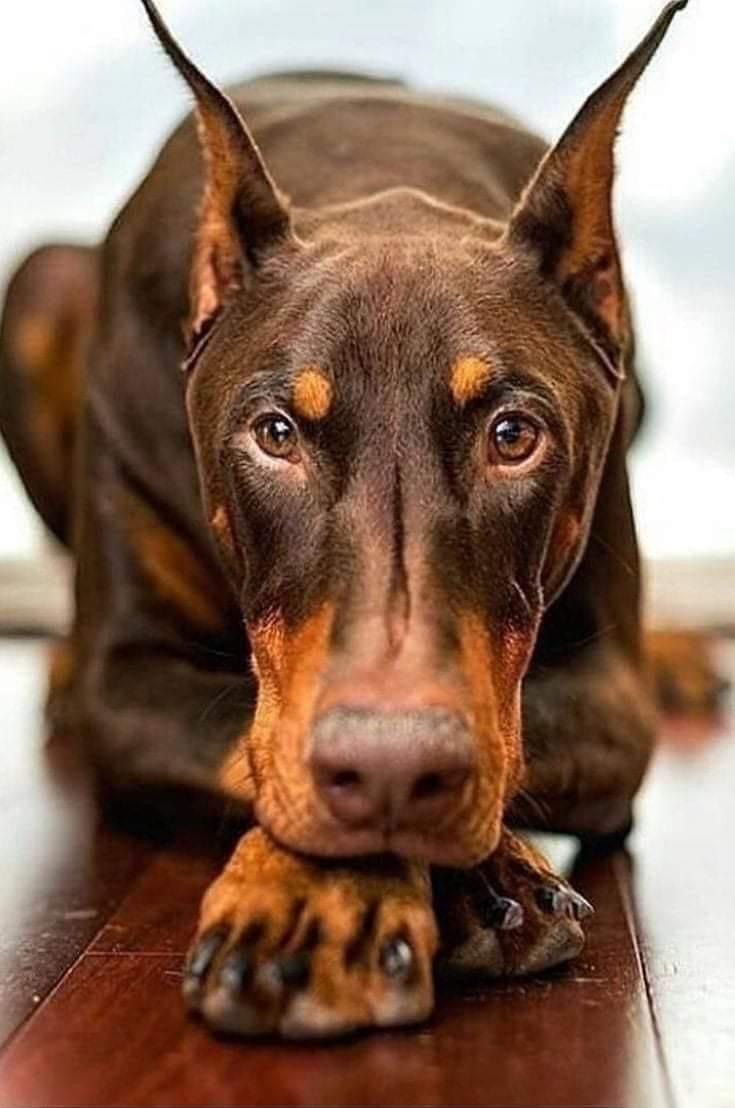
(348, 390)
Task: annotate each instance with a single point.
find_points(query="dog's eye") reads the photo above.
(277, 437)
(513, 439)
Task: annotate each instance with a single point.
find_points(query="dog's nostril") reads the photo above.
(346, 779)
(438, 784)
(428, 785)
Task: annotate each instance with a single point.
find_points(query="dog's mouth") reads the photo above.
(457, 844)
(415, 782)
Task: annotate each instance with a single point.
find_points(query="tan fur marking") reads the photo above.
(177, 575)
(289, 664)
(492, 671)
(312, 393)
(220, 524)
(234, 776)
(683, 668)
(35, 340)
(61, 665)
(283, 894)
(468, 378)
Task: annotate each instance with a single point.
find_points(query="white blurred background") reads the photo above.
(86, 98)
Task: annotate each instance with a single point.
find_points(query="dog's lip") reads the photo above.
(332, 841)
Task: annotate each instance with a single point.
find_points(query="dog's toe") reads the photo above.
(560, 899)
(199, 961)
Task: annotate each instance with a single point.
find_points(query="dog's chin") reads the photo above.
(333, 842)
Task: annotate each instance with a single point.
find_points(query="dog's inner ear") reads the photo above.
(565, 215)
(242, 215)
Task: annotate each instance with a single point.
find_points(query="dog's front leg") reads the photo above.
(149, 716)
(307, 948)
(512, 915)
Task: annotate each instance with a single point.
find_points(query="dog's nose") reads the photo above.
(390, 769)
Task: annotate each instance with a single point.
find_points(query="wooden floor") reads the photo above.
(94, 922)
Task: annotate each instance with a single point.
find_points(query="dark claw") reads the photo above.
(236, 970)
(499, 913)
(294, 970)
(201, 958)
(551, 900)
(559, 902)
(581, 907)
(397, 959)
(722, 687)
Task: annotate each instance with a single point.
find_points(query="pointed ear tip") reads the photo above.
(151, 10)
(669, 13)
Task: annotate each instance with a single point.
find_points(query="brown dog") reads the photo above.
(369, 565)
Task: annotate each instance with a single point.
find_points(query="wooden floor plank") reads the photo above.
(160, 914)
(62, 876)
(114, 1032)
(685, 900)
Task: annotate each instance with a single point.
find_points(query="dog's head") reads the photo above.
(400, 438)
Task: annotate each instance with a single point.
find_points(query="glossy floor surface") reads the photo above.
(94, 922)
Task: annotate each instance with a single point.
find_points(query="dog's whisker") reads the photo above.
(216, 700)
(614, 553)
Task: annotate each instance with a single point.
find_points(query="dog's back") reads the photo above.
(334, 139)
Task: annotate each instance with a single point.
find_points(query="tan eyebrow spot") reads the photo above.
(468, 377)
(312, 393)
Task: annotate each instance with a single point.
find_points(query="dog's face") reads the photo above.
(400, 441)
(400, 445)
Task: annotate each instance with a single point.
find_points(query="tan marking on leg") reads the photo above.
(61, 666)
(312, 393)
(60, 695)
(469, 376)
(683, 670)
(173, 569)
(35, 341)
(51, 353)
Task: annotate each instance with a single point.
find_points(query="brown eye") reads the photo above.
(513, 439)
(277, 437)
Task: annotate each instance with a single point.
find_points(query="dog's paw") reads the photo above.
(302, 949)
(684, 670)
(510, 916)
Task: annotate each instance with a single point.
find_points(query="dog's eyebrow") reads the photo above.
(311, 395)
(468, 378)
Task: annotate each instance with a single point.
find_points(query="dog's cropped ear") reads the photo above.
(565, 215)
(242, 214)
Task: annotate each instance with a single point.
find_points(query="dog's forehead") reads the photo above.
(420, 319)
(395, 326)
(384, 311)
